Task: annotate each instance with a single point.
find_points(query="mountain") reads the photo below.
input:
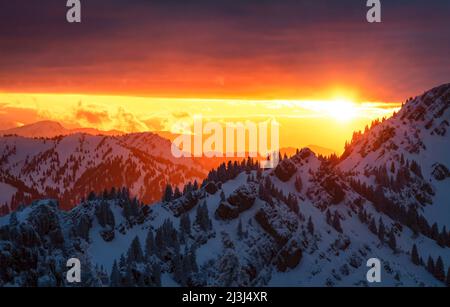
(69, 167)
(318, 150)
(407, 157)
(49, 129)
(311, 221)
(248, 228)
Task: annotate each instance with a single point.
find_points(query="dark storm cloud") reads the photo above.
(125, 40)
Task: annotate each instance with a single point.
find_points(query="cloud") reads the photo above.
(92, 117)
(11, 117)
(190, 48)
(180, 114)
(156, 123)
(128, 122)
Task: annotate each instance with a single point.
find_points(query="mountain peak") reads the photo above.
(429, 107)
(46, 128)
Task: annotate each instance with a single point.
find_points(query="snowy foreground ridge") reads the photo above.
(309, 222)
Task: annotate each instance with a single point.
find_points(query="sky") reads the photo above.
(135, 65)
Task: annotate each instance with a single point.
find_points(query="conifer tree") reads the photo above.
(177, 194)
(373, 227)
(381, 230)
(149, 244)
(240, 232)
(193, 258)
(185, 224)
(442, 238)
(195, 186)
(202, 217)
(179, 274)
(434, 231)
(328, 217)
(298, 184)
(115, 275)
(415, 258)
(168, 194)
(392, 241)
(135, 251)
(430, 265)
(122, 262)
(310, 226)
(128, 279)
(337, 222)
(361, 215)
(439, 272)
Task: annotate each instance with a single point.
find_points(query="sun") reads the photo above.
(342, 110)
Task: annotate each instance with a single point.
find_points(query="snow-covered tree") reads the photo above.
(149, 244)
(415, 258)
(381, 230)
(310, 226)
(185, 224)
(392, 241)
(439, 272)
(115, 276)
(135, 253)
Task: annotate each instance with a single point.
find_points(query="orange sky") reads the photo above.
(327, 122)
(318, 67)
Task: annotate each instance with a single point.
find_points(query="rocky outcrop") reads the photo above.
(289, 256)
(240, 200)
(285, 170)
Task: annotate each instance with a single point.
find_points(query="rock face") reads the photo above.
(440, 172)
(285, 170)
(334, 189)
(211, 188)
(107, 235)
(289, 256)
(184, 204)
(240, 200)
(389, 203)
(69, 167)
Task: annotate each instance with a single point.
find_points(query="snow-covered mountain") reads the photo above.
(309, 222)
(280, 228)
(69, 167)
(407, 157)
(50, 129)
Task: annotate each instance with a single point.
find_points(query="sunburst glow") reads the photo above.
(342, 110)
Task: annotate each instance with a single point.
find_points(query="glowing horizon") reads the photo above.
(326, 122)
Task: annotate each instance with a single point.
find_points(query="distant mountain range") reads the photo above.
(68, 167)
(49, 129)
(31, 165)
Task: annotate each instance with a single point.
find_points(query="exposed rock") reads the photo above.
(240, 200)
(289, 256)
(108, 235)
(440, 171)
(211, 188)
(184, 204)
(285, 170)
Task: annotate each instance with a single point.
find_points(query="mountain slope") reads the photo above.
(408, 155)
(69, 167)
(247, 229)
(50, 129)
(310, 221)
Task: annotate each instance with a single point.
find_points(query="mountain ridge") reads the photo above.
(50, 129)
(311, 221)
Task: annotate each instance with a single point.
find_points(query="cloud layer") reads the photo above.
(265, 49)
